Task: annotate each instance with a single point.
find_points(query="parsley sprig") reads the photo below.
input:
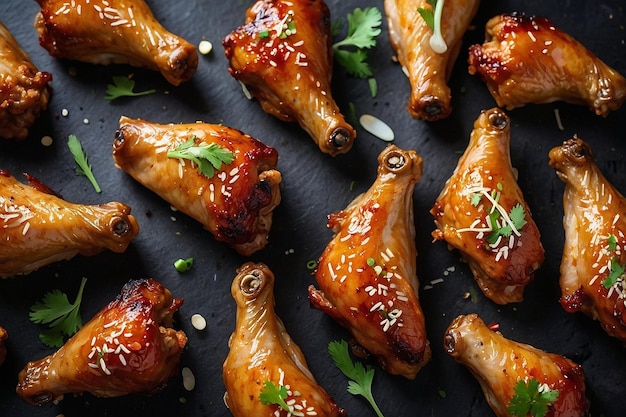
(351, 52)
(361, 376)
(61, 316)
(531, 399)
(272, 394)
(207, 157)
(83, 168)
(123, 86)
(514, 220)
(432, 17)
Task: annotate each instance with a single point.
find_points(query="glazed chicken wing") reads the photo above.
(128, 347)
(235, 204)
(528, 60)
(262, 352)
(428, 71)
(114, 32)
(283, 55)
(38, 228)
(3, 349)
(592, 267)
(367, 273)
(481, 212)
(499, 364)
(24, 91)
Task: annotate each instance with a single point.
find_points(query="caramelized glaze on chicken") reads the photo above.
(38, 228)
(24, 90)
(235, 204)
(114, 32)
(261, 352)
(3, 349)
(592, 267)
(128, 347)
(283, 55)
(367, 273)
(479, 209)
(499, 363)
(526, 59)
(427, 70)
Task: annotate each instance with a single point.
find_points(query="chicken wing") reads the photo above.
(114, 32)
(592, 267)
(25, 91)
(263, 353)
(428, 71)
(283, 55)
(526, 59)
(499, 364)
(481, 212)
(128, 347)
(3, 349)
(367, 273)
(38, 228)
(235, 204)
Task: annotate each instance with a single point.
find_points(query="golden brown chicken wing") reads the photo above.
(526, 59)
(38, 228)
(25, 91)
(592, 267)
(428, 71)
(499, 364)
(128, 347)
(262, 353)
(367, 273)
(235, 203)
(3, 349)
(114, 32)
(283, 55)
(481, 211)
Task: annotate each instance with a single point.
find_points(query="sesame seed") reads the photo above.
(46, 140)
(189, 380)
(86, 121)
(198, 322)
(205, 47)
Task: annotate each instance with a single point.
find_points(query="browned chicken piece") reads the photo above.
(526, 59)
(3, 349)
(428, 71)
(367, 273)
(499, 364)
(114, 32)
(263, 353)
(283, 55)
(128, 347)
(235, 204)
(25, 91)
(38, 228)
(481, 211)
(592, 267)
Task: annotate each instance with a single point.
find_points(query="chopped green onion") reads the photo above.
(183, 265)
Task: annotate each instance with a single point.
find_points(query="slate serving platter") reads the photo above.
(314, 185)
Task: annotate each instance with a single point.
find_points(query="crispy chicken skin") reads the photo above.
(3, 349)
(499, 363)
(526, 59)
(290, 74)
(24, 90)
(367, 274)
(235, 205)
(595, 223)
(38, 228)
(262, 351)
(128, 347)
(114, 32)
(504, 265)
(427, 70)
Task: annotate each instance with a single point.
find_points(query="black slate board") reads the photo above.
(314, 185)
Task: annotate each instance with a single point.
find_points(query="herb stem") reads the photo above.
(437, 43)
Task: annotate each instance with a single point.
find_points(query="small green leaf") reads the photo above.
(475, 199)
(81, 161)
(617, 270)
(529, 399)
(612, 241)
(271, 394)
(123, 87)
(207, 157)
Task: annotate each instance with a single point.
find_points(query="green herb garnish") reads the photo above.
(183, 265)
(81, 160)
(432, 17)
(612, 241)
(617, 270)
(62, 318)
(363, 28)
(530, 399)
(207, 157)
(311, 265)
(361, 376)
(271, 394)
(123, 87)
(516, 215)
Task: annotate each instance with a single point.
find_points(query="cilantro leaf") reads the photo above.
(61, 316)
(361, 377)
(207, 157)
(432, 18)
(617, 270)
(271, 394)
(81, 160)
(612, 241)
(123, 87)
(530, 399)
(517, 216)
(363, 28)
(427, 14)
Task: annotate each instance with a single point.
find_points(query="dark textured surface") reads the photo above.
(313, 185)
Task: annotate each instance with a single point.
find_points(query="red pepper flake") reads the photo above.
(494, 326)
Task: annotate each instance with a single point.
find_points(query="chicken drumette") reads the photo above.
(367, 273)
(128, 347)
(592, 267)
(283, 55)
(262, 353)
(38, 227)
